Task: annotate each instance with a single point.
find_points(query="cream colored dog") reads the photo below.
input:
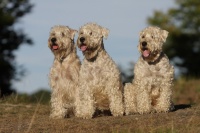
(151, 90)
(100, 86)
(64, 73)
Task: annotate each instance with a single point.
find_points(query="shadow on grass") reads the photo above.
(99, 113)
(181, 106)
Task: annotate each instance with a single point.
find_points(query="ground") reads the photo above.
(18, 117)
(35, 119)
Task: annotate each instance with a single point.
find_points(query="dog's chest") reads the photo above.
(93, 72)
(61, 72)
(154, 68)
(149, 70)
(96, 73)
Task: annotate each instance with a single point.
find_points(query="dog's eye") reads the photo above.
(143, 36)
(152, 37)
(63, 34)
(90, 33)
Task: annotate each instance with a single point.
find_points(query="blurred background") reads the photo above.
(25, 59)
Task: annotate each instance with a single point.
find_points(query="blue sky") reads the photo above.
(124, 19)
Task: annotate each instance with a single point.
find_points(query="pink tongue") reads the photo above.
(83, 48)
(146, 53)
(55, 47)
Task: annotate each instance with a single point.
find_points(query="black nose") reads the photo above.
(53, 40)
(144, 44)
(82, 39)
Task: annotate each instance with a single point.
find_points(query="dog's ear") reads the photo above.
(72, 33)
(140, 33)
(105, 32)
(164, 35)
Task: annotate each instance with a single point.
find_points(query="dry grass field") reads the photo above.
(21, 116)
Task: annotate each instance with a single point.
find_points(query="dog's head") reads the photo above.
(90, 39)
(151, 42)
(61, 40)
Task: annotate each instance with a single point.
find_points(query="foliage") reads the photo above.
(10, 40)
(127, 74)
(41, 96)
(183, 44)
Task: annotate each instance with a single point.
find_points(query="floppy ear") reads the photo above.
(105, 32)
(72, 33)
(140, 33)
(164, 35)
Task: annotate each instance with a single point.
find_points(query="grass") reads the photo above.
(41, 97)
(30, 114)
(187, 91)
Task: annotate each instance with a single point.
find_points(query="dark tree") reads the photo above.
(183, 43)
(10, 40)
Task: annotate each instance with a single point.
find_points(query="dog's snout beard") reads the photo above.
(83, 47)
(53, 43)
(144, 49)
(54, 46)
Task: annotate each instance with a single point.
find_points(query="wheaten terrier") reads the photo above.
(100, 86)
(151, 90)
(64, 72)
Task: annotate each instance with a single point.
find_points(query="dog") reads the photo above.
(64, 73)
(151, 89)
(100, 85)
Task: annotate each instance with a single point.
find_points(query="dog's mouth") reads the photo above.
(83, 47)
(146, 52)
(54, 46)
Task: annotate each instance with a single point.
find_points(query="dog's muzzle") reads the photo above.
(53, 40)
(145, 51)
(82, 39)
(144, 44)
(83, 46)
(54, 46)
